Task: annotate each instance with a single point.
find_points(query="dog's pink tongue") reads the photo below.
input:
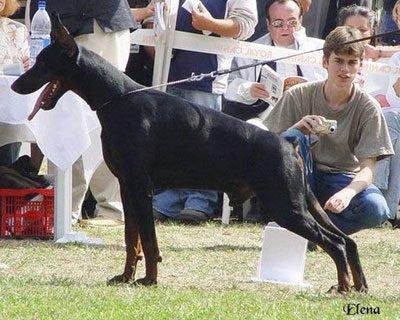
(38, 104)
(35, 110)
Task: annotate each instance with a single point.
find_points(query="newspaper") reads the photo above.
(276, 85)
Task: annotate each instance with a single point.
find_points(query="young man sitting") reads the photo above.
(340, 166)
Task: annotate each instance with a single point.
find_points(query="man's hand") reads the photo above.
(257, 91)
(309, 124)
(339, 201)
(201, 19)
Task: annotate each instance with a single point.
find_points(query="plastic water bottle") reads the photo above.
(40, 32)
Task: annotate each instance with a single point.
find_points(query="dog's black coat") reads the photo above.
(153, 139)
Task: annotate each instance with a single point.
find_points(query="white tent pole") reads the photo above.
(164, 29)
(63, 201)
(160, 38)
(173, 6)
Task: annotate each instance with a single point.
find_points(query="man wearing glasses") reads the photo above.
(244, 91)
(284, 30)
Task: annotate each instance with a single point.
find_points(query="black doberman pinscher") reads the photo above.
(153, 139)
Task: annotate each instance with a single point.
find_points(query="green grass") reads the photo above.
(206, 274)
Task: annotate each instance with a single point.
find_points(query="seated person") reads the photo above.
(245, 93)
(363, 19)
(387, 173)
(387, 177)
(14, 49)
(340, 166)
(284, 30)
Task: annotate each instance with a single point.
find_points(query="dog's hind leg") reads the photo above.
(132, 240)
(360, 282)
(301, 222)
(330, 243)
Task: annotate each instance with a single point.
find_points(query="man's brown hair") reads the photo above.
(335, 40)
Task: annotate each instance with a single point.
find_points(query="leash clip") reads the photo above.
(213, 74)
(195, 77)
(201, 76)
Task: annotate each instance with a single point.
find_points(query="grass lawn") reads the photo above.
(205, 274)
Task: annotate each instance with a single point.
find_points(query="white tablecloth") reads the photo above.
(63, 133)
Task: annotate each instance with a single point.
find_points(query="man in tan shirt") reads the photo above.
(340, 166)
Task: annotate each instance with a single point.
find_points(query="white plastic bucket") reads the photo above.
(283, 257)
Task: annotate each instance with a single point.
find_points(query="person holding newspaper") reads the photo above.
(246, 97)
(285, 31)
(340, 166)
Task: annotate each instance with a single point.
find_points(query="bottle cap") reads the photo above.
(42, 4)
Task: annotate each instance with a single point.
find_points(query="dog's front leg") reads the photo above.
(138, 197)
(148, 239)
(132, 241)
(133, 254)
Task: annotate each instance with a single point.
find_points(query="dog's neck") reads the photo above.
(98, 82)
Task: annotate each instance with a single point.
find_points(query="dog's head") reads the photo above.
(53, 64)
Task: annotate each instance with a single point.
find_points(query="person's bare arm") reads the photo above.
(379, 52)
(143, 13)
(202, 20)
(340, 200)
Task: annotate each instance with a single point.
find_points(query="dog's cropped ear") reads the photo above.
(59, 34)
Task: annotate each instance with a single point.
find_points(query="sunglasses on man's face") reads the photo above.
(281, 23)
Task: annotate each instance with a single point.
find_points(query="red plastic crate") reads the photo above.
(27, 213)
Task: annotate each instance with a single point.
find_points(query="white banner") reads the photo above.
(243, 49)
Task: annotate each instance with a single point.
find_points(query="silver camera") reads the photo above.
(327, 127)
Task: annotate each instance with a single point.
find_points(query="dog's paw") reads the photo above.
(122, 278)
(145, 282)
(338, 290)
(361, 288)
